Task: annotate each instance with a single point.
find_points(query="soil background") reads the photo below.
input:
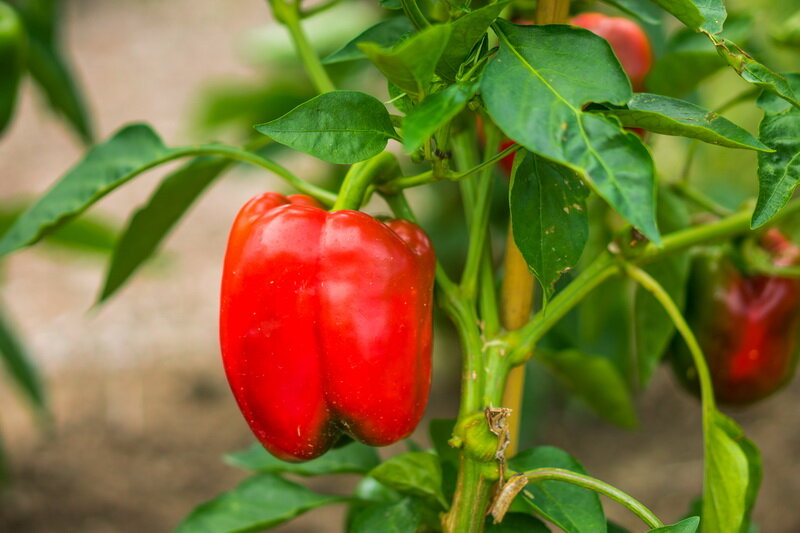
(142, 414)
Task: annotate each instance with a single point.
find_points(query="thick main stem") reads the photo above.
(471, 498)
(519, 283)
(516, 298)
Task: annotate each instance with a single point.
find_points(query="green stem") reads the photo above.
(522, 341)
(600, 487)
(356, 183)
(687, 164)
(471, 498)
(653, 287)
(414, 14)
(288, 14)
(479, 227)
(431, 177)
(700, 199)
(491, 161)
(487, 294)
(319, 8)
(238, 154)
(399, 184)
(703, 373)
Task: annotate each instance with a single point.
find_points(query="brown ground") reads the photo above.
(142, 413)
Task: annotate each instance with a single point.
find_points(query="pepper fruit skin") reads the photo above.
(325, 324)
(747, 326)
(628, 41)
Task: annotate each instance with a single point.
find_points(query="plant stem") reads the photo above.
(489, 162)
(479, 226)
(288, 14)
(353, 191)
(700, 199)
(238, 154)
(414, 14)
(519, 282)
(521, 342)
(703, 373)
(659, 293)
(588, 482)
(552, 11)
(471, 498)
(516, 301)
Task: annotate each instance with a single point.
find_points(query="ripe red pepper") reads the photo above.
(627, 39)
(325, 324)
(747, 326)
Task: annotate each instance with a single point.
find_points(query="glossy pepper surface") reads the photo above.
(627, 39)
(748, 326)
(325, 324)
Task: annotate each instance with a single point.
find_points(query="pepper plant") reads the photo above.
(592, 222)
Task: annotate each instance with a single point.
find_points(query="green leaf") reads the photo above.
(393, 517)
(700, 15)
(440, 432)
(411, 64)
(778, 172)
(416, 473)
(258, 503)
(82, 234)
(596, 381)
(465, 33)
(19, 365)
(754, 72)
(105, 167)
(151, 223)
(386, 33)
(12, 61)
(732, 476)
(338, 127)
(688, 58)
(517, 523)
(670, 116)
(653, 328)
(49, 67)
(688, 525)
(572, 508)
(535, 89)
(354, 458)
(643, 10)
(433, 113)
(548, 217)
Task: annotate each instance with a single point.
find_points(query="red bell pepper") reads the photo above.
(747, 326)
(325, 324)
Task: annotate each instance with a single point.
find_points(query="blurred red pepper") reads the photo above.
(325, 324)
(628, 41)
(747, 326)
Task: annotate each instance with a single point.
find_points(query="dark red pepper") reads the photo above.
(747, 326)
(325, 324)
